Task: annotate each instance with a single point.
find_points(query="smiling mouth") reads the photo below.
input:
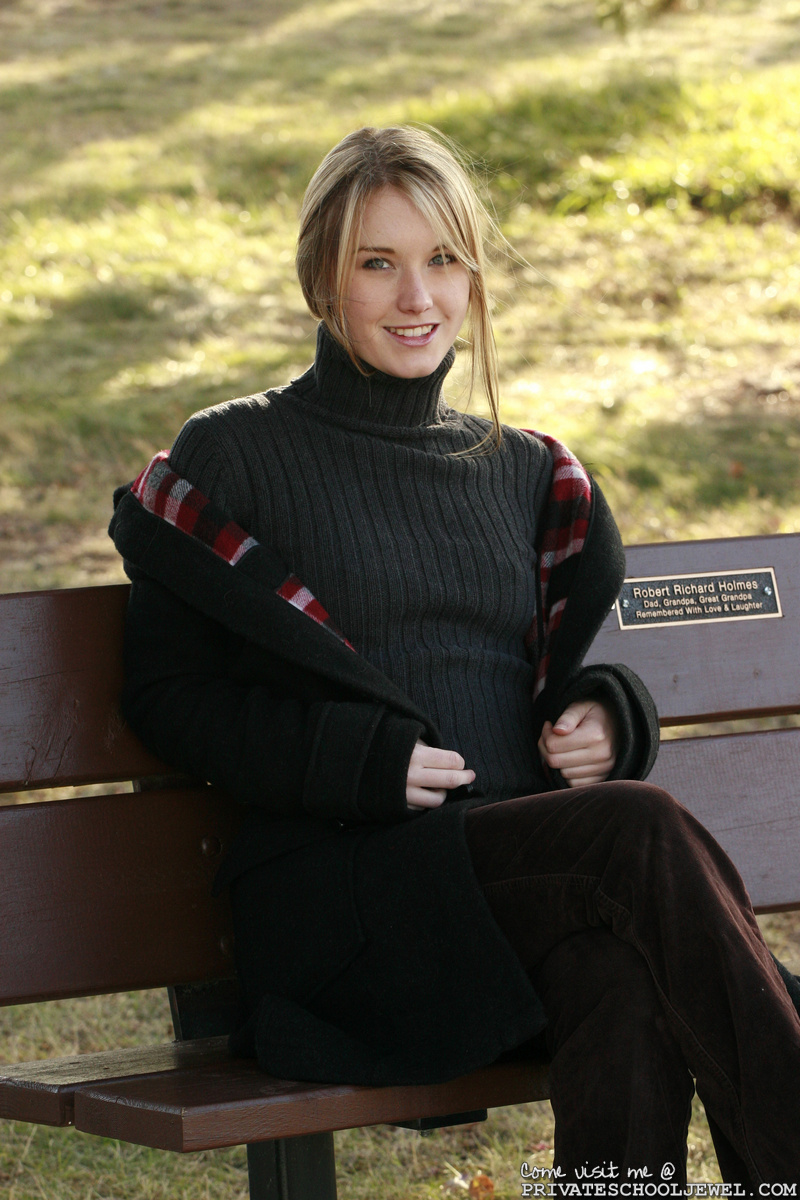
(417, 335)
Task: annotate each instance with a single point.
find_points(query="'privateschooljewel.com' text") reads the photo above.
(607, 1180)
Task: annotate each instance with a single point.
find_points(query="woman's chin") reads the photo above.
(405, 362)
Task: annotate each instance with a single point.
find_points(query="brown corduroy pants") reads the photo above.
(638, 934)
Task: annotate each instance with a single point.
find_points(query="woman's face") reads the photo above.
(407, 297)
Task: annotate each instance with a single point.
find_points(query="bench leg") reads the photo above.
(299, 1168)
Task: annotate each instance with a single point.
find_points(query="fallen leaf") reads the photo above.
(481, 1188)
(459, 1183)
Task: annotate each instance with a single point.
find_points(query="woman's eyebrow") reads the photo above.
(391, 250)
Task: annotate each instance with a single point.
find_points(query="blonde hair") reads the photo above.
(430, 175)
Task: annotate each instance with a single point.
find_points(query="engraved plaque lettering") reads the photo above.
(686, 599)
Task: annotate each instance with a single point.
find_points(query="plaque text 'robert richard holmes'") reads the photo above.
(685, 599)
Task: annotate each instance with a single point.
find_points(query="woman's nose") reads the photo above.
(414, 295)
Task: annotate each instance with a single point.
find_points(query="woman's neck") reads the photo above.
(334, 382)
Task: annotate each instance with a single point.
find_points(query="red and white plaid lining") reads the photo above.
(163, 492)
(300, 597)
(565, 524)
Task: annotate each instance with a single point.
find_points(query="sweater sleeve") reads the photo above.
(189, 696)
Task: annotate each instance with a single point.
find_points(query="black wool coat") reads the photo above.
(367, 951)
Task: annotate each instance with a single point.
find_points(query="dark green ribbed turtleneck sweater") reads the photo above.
(424, 560)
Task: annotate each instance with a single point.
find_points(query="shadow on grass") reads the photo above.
(534, 134)
(524, 143)
(717, 462)
(60, 413)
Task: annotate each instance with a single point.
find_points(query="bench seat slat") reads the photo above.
(224, 1106)
(744, 789)
(43, 1091)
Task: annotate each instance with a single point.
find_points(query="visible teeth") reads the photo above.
(410, 331)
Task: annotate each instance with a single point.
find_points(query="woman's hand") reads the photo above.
(582, 744)
(432, 774)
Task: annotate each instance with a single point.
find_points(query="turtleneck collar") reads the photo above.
(334, 383)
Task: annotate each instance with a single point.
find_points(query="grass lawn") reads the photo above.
(153, 158)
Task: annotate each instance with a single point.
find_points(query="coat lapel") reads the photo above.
(169, 530)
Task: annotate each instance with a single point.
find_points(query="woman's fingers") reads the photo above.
(598, 754)
(581, 744)
(591, 764)
(424, 798)
(432, 773)
(432, 767)
(593, 772)
(590, 733)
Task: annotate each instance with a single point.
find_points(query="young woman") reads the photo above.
(444, 851)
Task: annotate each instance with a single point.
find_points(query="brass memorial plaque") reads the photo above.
(686, 599)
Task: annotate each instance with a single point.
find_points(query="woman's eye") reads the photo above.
(439, 260)
(375, 264)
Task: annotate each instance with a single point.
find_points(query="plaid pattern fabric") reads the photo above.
(298, 595)
(164, 493)
(566, 521)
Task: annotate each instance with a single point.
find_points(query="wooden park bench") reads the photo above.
(112, 892)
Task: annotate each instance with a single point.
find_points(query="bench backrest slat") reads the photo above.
(60, 679)
(711, 670)
(745, 789)
(110, 893)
